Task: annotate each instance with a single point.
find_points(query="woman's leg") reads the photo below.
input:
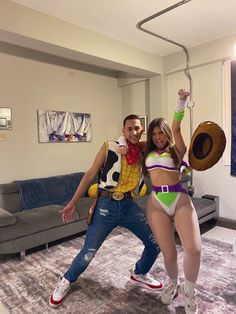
(187, 226)
(162, 229)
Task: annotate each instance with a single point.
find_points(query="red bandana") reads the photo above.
(133, 155)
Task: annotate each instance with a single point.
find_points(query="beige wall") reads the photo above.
(27, 85)
(133, 98)
(208, 96)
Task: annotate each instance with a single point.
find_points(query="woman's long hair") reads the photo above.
(170, 147)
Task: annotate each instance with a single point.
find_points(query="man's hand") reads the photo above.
(67, 212)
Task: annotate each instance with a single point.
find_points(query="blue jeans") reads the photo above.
(108, 215)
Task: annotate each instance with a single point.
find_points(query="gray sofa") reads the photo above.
(25, 228)
(29, 211)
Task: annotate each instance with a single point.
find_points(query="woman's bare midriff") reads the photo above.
(164, 177)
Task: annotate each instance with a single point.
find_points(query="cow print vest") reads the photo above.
(110, 173)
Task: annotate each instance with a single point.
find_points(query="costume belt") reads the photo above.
(169, 188)
(117, 196)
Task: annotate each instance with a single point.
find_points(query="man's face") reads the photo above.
(132, 130)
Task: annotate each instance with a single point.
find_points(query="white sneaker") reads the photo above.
(169, 293)
(146, 281)
(60, 292)
(191, 306)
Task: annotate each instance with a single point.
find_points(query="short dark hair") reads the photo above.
(130, 117)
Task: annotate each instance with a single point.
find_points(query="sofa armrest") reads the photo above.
(6, 218)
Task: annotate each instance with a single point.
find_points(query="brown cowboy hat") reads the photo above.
(207, 146)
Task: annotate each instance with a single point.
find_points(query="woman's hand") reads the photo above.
(122, 146)
(123, 150)
(67, 212)
(183, 94)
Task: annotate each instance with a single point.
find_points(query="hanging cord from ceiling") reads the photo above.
(190, 103)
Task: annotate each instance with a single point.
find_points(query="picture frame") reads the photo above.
(63, 126)
(143, 120)
(5, 118)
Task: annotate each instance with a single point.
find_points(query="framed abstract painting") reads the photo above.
(63, 127)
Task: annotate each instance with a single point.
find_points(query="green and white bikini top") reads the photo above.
(164, 161)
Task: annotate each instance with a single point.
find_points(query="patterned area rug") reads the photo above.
(104, 287)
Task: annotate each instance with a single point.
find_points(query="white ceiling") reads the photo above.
(196, 22)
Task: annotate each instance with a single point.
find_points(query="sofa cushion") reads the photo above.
(6, 218)
(41, 219)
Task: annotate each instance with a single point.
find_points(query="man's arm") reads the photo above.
(68, 210)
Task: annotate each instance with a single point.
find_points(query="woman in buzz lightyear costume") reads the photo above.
(170, 202)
